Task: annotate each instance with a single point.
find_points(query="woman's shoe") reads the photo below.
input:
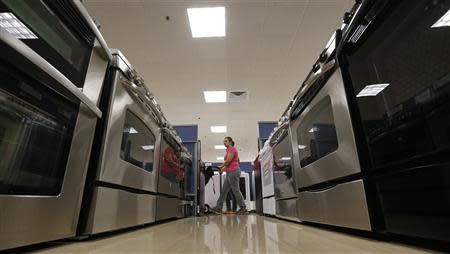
(242, 211)
(216, 210)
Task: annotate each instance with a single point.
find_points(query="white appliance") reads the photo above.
(212, 191)
(268, 193)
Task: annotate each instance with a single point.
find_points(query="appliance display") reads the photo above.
(244, 185)
(122, 180)
(268, 192)
(47, 123)
(397, 70)
(283, 174)
(212, 191)
(327, 168)
(258, 186)
(170, 186)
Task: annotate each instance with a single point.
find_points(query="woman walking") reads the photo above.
(232, 168)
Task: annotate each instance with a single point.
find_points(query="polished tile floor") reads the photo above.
(230, 234)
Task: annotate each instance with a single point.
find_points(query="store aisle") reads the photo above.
(230, 234)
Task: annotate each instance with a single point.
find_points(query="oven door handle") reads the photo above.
(40, 62)
(146, 97)
(308, 83)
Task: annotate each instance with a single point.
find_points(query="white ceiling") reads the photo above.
(268, 50)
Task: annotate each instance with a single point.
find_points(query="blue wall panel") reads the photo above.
(265, 128)
(187, 132)
(189, 136)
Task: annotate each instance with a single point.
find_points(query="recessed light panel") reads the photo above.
(207, 22)
(15, 27)
(443, 21)
(219, 129)
(220, 147)
(372, 90)
(215, 96)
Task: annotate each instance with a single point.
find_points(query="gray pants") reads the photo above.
(231, 183)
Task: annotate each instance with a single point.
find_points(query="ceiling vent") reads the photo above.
(238, 96)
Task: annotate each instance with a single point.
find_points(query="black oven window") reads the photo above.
(38, 26)
(138, 143)
(317, 133)
(400, 72)
(36, 127)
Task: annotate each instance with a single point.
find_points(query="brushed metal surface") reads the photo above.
(112, 168)
(104, 49)
(115, 209)
(167, 208)
(311, 79)
(342, 162)
(26, 220)
(46, 67)
(344, 205)
(95, 75)
(283, 173)
(287, 209)
(269, 205)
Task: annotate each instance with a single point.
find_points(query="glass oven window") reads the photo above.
(317, 133)
(282, 158)
(36, 129)
(172, 167)
(138, 143)
(38, 26)
(400, 73)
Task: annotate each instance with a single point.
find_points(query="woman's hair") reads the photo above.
(230, 140)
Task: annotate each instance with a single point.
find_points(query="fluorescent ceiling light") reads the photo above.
(207, 22)
(15, 27)
(148, 147)
(443, 21)
(220, 147)
(285, 159)
(215, 96)
(372, 90)
(219, 129)
(301, 146)
(219, 158)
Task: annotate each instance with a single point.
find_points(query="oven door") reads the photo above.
(323, 137)
(46, 131)
(398, 71)
(171, 173)
(283, 175)
(130, 145)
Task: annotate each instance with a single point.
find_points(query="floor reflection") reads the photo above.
(230, 234)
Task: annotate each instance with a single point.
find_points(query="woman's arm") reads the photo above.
(230, 157)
